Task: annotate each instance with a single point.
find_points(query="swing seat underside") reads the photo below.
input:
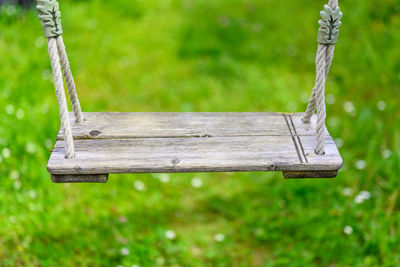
(192, 142)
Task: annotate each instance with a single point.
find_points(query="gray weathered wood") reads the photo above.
(183, 124)
(192, 142)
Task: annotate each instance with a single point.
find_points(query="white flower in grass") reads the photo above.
(219, 237)
(347, 191)
(349, 108)
(197, 182)
(386, 153)
(30, 147)
(348, 230)
(365, 194)
(12, 219)
(362, 196)
(360, 164)
(164, 177)
(20, 114)
(17, 184)
(169, 234)
(6, 152)
(10, 10)
(10, 109)
(14, 175)
(381, 105)
(32, 194)
(359, 199)
(330, 99)
(160, 261)
(139, 185)
(125, 251)
(196, 250)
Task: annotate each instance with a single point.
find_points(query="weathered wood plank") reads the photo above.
(146, 155)
(169, 124)
(193, 142)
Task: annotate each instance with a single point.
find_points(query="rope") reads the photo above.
(61, 99)
(49, 15)
(69, 80)
(312, 104)
(327, 37)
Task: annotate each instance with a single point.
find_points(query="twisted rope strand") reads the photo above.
(69, 80)
(323, 63)
(312, 104)
(61, 98)
(320, 99)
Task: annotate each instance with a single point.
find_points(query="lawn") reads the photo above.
(196, 55)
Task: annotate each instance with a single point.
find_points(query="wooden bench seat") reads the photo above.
(192, 142)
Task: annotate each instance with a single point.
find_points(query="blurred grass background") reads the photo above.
(196, 55)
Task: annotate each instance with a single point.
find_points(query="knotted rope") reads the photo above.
(327, 37)
(49, 15)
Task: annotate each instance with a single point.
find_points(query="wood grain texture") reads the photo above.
(192, 142)
(103, 125)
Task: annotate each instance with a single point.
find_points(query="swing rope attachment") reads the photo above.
(49, 14)
(327, 37)
(328, 32)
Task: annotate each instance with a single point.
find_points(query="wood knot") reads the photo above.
(94, 133)
(175, 161)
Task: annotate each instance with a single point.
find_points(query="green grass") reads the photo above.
(196, 55)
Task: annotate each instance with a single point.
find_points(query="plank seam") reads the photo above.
(298, 139)
(293, 138)
(61, 138)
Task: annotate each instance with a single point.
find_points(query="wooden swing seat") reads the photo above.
(192, 142)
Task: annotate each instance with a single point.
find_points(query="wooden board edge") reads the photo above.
(79, 178)
(309, 174)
